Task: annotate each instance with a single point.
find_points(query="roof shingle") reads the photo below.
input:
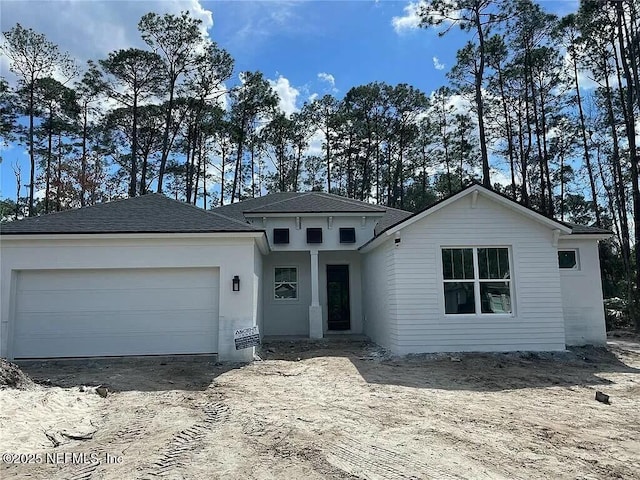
(152, 213)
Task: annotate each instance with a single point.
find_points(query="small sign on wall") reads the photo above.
(247, 337)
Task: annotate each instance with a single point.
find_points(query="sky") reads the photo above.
(305, 48)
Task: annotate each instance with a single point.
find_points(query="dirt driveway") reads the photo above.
(331, 410)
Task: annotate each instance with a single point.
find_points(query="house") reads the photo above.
(150, 275)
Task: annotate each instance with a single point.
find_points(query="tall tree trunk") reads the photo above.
(47, 188)
(508, 131)
(633, 158)
(32, 157)
(134, 148)
(83, 167)
(585, 144)
(165, 136)
(486, 180)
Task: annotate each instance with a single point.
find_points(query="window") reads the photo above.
(568, 259)
(285, 285)
(314, 235)
(476, 280)
(280, 235)
(347, 235)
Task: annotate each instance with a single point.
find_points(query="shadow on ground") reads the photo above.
(129, 374)
(486, 372)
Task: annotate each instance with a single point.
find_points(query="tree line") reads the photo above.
(539, 107)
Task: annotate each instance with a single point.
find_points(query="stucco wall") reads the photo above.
(330, 236)
(286, 317)
(582, 295)
(416, 288)
(233, 256)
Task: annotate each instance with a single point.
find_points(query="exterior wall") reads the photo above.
(416, 287)
(291, 317)
(330, 236)
(355, 286)
(258, 289)
(233, 256)
(582, 295)
(286, 317)
(377, 319)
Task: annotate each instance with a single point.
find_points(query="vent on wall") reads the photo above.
(347, 235)
(280, 236)
(314, 235)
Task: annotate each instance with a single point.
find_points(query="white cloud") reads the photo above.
(327, 77)
(287, 93)
(90, 30)
(437, 65)
(313, 96)
(410, 20)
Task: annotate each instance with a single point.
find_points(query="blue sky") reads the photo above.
(305, 48)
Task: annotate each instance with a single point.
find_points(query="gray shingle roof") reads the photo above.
(392, 217)
(152, 213)
(316, 202)
(577, 229)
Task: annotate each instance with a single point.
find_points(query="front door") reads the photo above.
(338, 311)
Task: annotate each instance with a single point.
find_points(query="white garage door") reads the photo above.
(78, 313)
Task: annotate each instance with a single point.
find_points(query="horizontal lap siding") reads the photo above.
(377, 270)
(418, 291)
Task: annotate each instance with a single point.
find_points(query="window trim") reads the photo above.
(576, 267)
(477, 281)
(297, 283)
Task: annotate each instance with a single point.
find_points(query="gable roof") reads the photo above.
(564, 227)
(151, 213)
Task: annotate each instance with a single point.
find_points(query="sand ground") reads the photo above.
(336, 410)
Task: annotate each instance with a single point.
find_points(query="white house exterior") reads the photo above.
(152, 276)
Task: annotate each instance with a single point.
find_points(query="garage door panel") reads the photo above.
(96, 300)
(116, 312)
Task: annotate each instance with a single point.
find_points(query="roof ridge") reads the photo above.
(302, 194)
(351, 201)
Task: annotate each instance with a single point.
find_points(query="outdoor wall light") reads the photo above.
(236, 283)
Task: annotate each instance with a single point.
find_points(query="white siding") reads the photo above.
(582, 295)
(416, 292)
(376, 295)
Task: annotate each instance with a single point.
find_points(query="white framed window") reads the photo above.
(477, 280)
(285, 284)
(568, 259)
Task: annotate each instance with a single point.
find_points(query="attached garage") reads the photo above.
(142, 276)
(110, 312)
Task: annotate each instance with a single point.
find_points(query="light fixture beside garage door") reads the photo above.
(235, 283)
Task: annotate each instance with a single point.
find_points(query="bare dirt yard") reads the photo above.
(330, 409)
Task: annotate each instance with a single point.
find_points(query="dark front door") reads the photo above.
(338, 312)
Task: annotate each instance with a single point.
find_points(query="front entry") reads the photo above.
(338, 311)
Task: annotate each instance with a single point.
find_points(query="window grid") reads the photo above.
(282, 284)
(478, 282)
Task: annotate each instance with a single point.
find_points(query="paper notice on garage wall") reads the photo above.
(247, 337)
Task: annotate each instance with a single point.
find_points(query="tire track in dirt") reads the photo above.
(186, 441)
(372, 462)
(131, 433)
